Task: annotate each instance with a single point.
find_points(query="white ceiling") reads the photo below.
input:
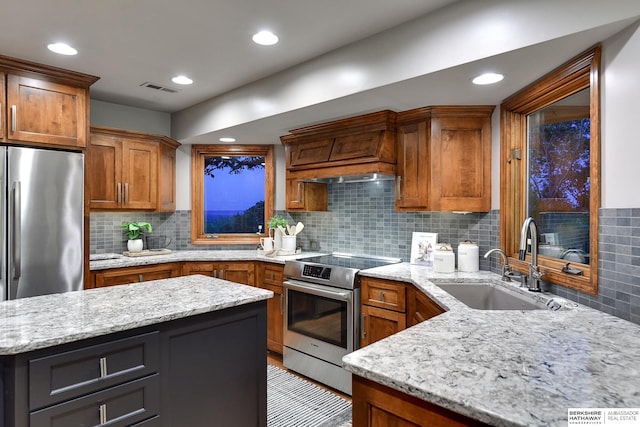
(129, 42)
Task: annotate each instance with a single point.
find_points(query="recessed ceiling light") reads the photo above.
(488, 78)
(265, 38)
(62, 49)
(227, 139)
(182, 80)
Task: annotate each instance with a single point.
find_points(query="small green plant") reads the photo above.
(135, 230)
(276, 221)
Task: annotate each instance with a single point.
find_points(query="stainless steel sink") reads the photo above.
(489, 297)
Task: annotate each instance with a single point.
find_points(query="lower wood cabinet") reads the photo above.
(126, 275)
(270, 277)
(420, 307)
(376, 405)
(383, 309)
(233, 271)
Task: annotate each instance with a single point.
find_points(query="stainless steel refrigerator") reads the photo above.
(41, 233)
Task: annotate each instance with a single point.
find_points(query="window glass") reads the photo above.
(232, 193)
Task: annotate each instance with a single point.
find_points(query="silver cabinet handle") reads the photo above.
(14, 119)
(299, 192)
(381, 296)
(140, 279)
(103, 414)
(17, 230)
(222, 274)
(363, 334)
(126, 193)
(103, 367)
(398, 187)
(119, 189)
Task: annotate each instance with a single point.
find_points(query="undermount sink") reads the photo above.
(489, 297)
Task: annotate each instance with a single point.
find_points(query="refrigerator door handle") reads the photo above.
(17, 228)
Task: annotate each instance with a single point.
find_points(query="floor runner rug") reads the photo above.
(294, 402)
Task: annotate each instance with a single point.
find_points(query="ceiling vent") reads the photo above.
(161, 88)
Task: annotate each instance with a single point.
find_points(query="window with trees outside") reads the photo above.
(232, 196)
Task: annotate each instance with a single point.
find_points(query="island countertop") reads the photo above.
(505, 368)
(49, 320)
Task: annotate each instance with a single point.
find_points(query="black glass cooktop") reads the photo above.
(358, 263)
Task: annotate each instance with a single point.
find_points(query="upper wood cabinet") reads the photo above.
(444, 159)
(131, 170)
(43, 105)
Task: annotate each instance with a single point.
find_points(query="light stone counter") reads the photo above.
(44, 321)
(119, 261)
(505, 368)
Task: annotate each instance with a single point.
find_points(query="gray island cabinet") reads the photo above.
(188, 351)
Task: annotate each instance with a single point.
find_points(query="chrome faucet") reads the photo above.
(530, 232)
(507, 273)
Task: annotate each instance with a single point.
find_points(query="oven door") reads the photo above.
(319, 320)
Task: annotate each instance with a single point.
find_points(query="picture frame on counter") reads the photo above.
(422, 246)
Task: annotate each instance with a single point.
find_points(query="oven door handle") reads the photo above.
(318, 290)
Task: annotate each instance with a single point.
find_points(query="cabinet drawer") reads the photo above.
(64, 376)
(119, 406)
(273, 275)
(384, 294)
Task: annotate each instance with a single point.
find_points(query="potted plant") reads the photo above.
(273, 224)
(134, 231)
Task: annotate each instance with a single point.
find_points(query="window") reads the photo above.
(550, 170)
(232, 193)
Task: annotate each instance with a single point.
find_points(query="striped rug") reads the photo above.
(294, 402)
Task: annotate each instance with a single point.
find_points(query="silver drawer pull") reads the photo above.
(382, 296)
(14, 118)
(103, 367)
(103, 414)
(363, 332)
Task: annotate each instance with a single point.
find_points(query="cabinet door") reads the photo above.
(275, 319)
(360, 145)
(205, 268)
(166, 179)
(123, 276)
(239, 272)
(420, 307)
(378, 323)
(412, 181)
(104, 171)
(385, 294)
(46, 112)
(139, 174)
(461, 163)
(307, 196)
(306, 153)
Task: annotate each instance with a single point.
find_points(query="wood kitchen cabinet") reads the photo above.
(130, 170)
(444, 159)
(233, 271)
(126, 275)
(270, 276)
(306, 196)
(383, 309)
(378, 405)
(420, 307)
(43, 105)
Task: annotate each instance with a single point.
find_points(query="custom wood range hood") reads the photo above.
(356, 149)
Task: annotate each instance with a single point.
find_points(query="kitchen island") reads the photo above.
(502, 368)
(170, 352)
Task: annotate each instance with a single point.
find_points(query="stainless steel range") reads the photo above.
(322, 312)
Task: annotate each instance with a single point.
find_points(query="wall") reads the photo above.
(132, 118)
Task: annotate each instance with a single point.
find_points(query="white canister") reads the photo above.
(468, 257)
(444, 260)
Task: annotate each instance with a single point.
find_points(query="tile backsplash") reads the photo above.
(362, 220)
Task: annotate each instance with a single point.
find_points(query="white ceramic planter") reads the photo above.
(134, 245)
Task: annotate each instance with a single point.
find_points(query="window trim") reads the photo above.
(198, 154)
(581, 72)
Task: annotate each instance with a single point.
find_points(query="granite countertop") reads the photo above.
(505, 368)
(98, 261)
(49, 320)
